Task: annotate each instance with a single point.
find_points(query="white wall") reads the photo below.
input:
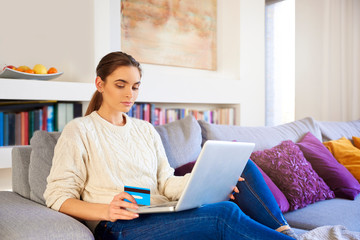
(74, 35)
(53, 33)
(327, 72)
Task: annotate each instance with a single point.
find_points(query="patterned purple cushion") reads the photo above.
(336, 176)
(279, 196)
(287, 167)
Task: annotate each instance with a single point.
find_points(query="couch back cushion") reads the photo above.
(20, 170)
(336, 130)
(181, 140)
(263, 137)
(42, 144)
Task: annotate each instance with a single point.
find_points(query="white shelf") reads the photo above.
(18, 89)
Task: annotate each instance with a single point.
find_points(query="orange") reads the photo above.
(19, 69)
(52, 70)
(30, 71)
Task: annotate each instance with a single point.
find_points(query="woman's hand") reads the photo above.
(117, 208)
(236, 190)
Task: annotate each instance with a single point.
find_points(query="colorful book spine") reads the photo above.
(50, 119)
(18, 129)
(44, 118)
(31, 117)
(1, 129)
(6, 129)
(24, 128)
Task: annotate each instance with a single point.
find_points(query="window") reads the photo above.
(279, 62)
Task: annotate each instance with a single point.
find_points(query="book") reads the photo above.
(1, 129)
(31, 116)
(44, 118)
(24, 128)
(50, 126)
(6, 129)
(37, 119)
(18, 129)
(78, 110)
(61, 116)
(69, 112)
(11, 129)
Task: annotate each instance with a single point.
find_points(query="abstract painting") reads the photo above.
(170, 32)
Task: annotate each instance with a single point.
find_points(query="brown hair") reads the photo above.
(106, 66)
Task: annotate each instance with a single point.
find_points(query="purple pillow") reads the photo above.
(287, 167)
(184, 169)
(279, 196)
(336, 176)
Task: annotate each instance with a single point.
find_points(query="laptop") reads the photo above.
(213, 178)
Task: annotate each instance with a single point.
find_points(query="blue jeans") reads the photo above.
(222, 220)
(256, 200)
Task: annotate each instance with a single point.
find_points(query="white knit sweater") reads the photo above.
(94, 159)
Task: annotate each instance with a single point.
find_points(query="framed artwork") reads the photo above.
(170, 32)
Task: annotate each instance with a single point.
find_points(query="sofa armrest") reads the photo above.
(21, 218)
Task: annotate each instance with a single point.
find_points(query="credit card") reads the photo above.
(141, 195)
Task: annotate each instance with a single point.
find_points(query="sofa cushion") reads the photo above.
(42, 144)
(336, 211)
(25, 219)
(286, 166)
(347, 154)
(336, 176)
(336, 130)
(263, 137)
(181, 140)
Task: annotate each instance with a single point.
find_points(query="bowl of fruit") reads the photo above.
(38, 72)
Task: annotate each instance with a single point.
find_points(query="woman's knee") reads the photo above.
(227, 210)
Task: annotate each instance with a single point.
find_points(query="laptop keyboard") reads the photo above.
(167, 204)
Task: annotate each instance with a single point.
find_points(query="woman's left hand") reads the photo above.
(236, 190)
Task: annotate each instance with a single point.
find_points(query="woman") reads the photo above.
(99, 154)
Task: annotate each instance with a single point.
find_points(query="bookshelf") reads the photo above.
(18, 89)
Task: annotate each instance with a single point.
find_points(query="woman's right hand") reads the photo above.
(117, 209)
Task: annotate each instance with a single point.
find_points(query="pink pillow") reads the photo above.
(336, 176)
(287, 167)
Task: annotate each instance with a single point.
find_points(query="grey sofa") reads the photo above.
(23, 214)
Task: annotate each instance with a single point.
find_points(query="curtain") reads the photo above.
(341, 57)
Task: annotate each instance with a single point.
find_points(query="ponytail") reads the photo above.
(95, 103)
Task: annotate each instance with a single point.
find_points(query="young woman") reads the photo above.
(97, 155)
